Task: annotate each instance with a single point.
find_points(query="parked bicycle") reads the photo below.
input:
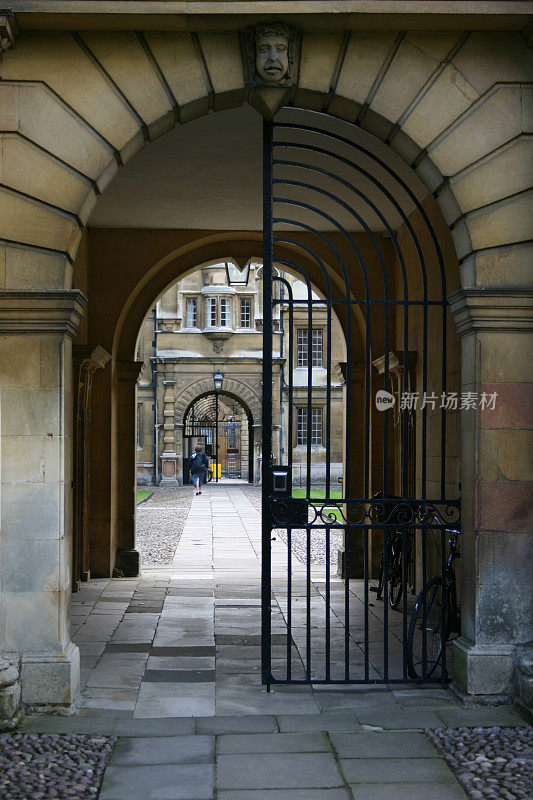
(435, 618)
(394, 552)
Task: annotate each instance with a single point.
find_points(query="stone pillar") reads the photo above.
(496, 576)
(353, 450)
(168, 456)
(178, 434)
(36, 332)
(128, 559)
(87, 359)
(257, 433)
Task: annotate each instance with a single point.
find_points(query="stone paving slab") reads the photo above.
(318, 722)
(401, 720)
(277, 771)
(407, 791)
(167, 782)
(171, 726)
(386, 745)
(478, 717)
(398, 770)
(163, 750)
(287, 794)
(274, 743)
(250, 724)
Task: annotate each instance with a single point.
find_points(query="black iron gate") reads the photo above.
(331, 211)
(231, 435)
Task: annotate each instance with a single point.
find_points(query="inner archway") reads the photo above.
(222, 425)
(296, 245)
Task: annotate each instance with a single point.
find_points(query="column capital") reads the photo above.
(49, 311)
(357, 371)
(491, 310)
(91, 356)
(9, 31)
(129, 371)
(396, 362)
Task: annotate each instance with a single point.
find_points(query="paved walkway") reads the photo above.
(171, 665)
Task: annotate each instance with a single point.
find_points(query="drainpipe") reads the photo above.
(154, 381)
(281, 368)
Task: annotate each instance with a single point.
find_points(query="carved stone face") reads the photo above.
(272, 57)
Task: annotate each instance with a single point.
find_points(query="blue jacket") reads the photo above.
(198, 463)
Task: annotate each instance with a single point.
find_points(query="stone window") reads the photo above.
(224, 313)
(212, 312)
(303, 347)
(246, 313)
(192, 312)
(316, 426)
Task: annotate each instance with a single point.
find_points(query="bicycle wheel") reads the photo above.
(431, 622)
(208, 476)
(379, 589)
(395, 581)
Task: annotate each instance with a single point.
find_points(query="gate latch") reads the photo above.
(281, 481)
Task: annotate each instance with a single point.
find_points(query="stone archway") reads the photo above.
(246, 398)
(76, 107)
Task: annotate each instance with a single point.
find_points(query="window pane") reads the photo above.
(302, 347)
(301, 427)
(191, 312)
(224, 313)
(246, 308)
(212, 312)
(317, 347)
(316, 426)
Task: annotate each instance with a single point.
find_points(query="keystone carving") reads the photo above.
(271, 51)
(8, 31)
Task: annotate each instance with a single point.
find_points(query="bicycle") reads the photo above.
(393, 544)
(208, 475)
(436, 616)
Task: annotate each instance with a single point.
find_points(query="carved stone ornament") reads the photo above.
(8, 31)
(271, 52)
(218, 346)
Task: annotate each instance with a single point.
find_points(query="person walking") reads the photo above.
(198, 466)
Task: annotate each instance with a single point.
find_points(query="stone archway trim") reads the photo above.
(205, 386)
(77, 106)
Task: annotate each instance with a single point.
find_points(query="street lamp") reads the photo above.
(218, 380)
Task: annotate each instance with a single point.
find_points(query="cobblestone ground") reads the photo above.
(492, 763)
(299, 538)
(37, 766)
(160, 521)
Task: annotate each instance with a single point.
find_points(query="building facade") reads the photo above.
(212, 320)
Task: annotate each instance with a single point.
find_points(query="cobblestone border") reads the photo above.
(489, 763)
(46, 766)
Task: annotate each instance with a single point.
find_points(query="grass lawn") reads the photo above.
(141, 495)
(318, 494)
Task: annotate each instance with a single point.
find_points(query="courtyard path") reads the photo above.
(171, 665)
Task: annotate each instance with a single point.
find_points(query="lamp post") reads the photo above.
(218, 379)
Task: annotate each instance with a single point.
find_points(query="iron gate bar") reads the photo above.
(284, 240)
(266, 574)
(407, 189)
(347, 523)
